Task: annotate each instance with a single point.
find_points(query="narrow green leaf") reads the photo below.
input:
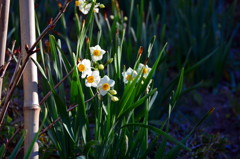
(2, 150)
(136, 104)
(159, 132)
(17, 147)
(29, 151)
(173, 152)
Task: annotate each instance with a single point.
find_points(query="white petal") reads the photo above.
(129, 70)
(95, 73)
(94, 84)
(96, 58)
(124, 80)
(106, 78)
(102, 92)
(83, 75)
(103, 80)
(87, 84)
(86, 62)
(92, 49)
(97, 47)
(102, 51)
(96, 10)
(111, 82)
(140, 66)
(97, 80)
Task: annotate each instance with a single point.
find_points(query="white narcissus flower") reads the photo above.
(85, 7)
(84, 67)
(129, 75)
(96, 8)
(105, 84)
(97, 53)
(145, 69)
(92, 79)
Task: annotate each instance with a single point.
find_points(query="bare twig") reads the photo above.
(30, 52)
(68, 110)
(16, 132)
(5, 66)
(57, 85)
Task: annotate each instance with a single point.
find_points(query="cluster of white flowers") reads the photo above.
(130, 74)
(92, 77)
(85, 6)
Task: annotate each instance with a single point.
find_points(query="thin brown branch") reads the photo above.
(16, 132)
(56, 86)
(5, 66)
(68, 110)
(30, 52)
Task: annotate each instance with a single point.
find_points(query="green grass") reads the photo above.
(191, 38)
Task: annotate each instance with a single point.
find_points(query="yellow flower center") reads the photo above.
(77, 3)
(105, 86)
(90, 79)
(145, 71)
(81, 68)
(96, 53)
(129, 78)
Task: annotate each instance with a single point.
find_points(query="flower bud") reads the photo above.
(114, 99)
(101, 67)
(109, 61)
(87, 40)
(102, 6)
(140, 51)
(112, 17)
(113, 92)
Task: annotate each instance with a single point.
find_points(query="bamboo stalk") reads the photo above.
(30, 79)
(4, 15)
(30, 51)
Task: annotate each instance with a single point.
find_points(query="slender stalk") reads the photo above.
(4, 15)
(31, 107)
(57, 85)
(5, 66)
(69, 109)
(30, 51)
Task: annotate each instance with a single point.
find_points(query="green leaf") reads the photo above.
(39, 68)
(2, 150)
(29, 151)
(179, 88)
(89, 145)
(173, 152)
(17, 147)
(151, 46)
(150, 75)
(136, 104)
(77, 97)
(159, 132)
